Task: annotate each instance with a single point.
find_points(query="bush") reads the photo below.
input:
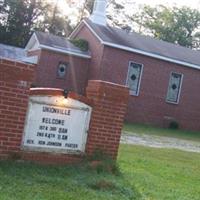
(80, 43)
(173, 125)
(102, 163)
(103, 185)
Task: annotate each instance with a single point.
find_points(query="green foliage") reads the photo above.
(103, 185)
(175, 25)
(173, 125)
(103, 163)
(80, 43)
(19, 18)
(98, 155)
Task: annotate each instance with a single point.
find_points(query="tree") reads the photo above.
(175, 25)
(54, 22)
(17, 19)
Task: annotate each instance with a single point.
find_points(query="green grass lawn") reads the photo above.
(26, 181)
(146, 173)
(147, 129)
(161, 174)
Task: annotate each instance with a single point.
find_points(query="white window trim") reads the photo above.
(139, 83)
(179, 93)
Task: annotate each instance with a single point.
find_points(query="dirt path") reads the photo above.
(160, 142)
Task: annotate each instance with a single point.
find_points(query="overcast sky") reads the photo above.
(189, 3)
(129, 5)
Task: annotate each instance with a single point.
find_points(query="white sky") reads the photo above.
(189, 3)
(129, 5)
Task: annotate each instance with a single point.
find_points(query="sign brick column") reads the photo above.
(109, 108)
(15, 80)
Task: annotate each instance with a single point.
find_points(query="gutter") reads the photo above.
(153, 55)
(64, 51)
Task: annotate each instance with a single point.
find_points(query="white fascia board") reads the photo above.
(80, 26)
(31, 59)
(151, 55)
(64, 51)
(75, 31)
(32, 41)
(94, 33)
(41, 88)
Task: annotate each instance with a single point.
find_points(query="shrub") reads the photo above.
(103, 185)
(173, 125)
(80, 43)
(102, 163)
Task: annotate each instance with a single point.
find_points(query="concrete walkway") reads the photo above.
(160, 142)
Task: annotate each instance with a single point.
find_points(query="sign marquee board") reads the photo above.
(55, 124)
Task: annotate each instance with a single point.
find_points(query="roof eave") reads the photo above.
(64, 51)
(153, 55)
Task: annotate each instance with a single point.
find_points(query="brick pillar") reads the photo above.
(15, 80)
(110, 103)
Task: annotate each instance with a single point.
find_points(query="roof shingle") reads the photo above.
(58, 42)
(145, 43)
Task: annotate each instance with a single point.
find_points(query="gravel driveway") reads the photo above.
(160, 142)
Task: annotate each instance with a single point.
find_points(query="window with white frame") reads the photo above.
(134, 77)
(62, 69)
(174, 87)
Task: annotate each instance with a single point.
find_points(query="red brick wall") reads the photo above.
(96, 49)
(110, 103)
(150, 106)
(45, 157)
(15, 80)
(76, 75)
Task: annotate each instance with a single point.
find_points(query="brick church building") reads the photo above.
(164, 78)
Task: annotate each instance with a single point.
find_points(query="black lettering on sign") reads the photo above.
(62, 137)
(53, 121)
(62, 130)
(43, 128)
(39, 134)
(73, 146)
(56, 110)
(53, 128)
(41, 142)
(50, 135)
(58, 144)
(30, 141)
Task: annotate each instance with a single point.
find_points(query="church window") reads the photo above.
(174, 87)
(134, 77)
(61, 70)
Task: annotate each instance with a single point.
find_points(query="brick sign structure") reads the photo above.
(55, 123)
(15, 81)
(35, 133)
